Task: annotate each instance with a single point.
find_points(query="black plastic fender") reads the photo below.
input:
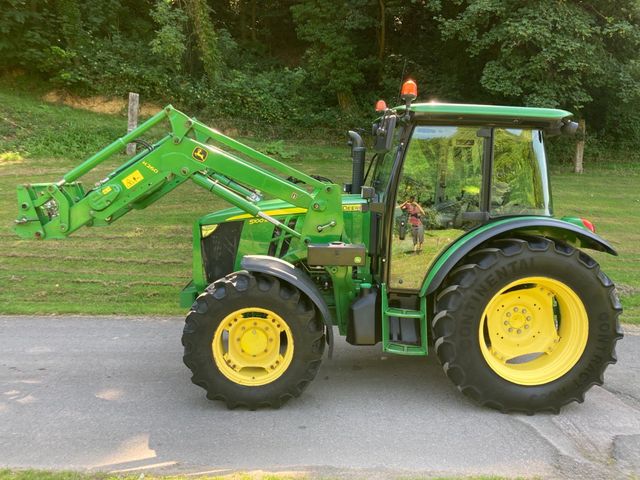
(283, 270)
(546, 227)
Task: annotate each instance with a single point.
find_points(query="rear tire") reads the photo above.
(251, 340)
(526, 325)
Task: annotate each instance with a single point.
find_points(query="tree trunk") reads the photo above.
(345, 100)
(382, 31)
(253, 20)
(205, 36)
(577, 161)
(243, 19)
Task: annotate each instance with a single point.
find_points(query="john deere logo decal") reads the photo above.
(200, 154)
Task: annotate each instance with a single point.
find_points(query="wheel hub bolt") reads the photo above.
(515, 309)
(508, 314)
(519, 331)
(526, 326)
(510, 329)
(528, 319)
(524, 310)
(506, 323)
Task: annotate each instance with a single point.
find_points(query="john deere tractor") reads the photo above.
(519, 315)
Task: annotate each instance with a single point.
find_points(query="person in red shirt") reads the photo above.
(415, 212)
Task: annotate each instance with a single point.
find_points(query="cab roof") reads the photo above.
(486, 114)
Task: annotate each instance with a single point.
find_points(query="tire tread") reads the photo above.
(452, 295)
(234, 285)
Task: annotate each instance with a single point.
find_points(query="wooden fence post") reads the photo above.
(577, 161)
(134, 99)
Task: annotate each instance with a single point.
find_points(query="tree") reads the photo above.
(329, 27)
(170, 41)
(548, 53)
(205, 36)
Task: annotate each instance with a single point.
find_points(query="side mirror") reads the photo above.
(569, 128)
(566, 127)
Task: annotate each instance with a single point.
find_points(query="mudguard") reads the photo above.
(283, 270)
(543, 226)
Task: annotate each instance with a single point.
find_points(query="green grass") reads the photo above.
(138, 265)
(610, 198)
(49, 475)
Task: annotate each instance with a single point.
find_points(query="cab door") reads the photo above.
(439, 184)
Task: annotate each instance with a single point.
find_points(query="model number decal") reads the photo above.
(149, 166)
(352, 208)
(132, 179)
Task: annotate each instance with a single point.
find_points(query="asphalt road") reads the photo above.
(112, 394)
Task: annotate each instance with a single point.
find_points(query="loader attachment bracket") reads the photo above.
(46, 205)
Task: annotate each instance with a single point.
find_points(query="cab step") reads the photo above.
(404, 330)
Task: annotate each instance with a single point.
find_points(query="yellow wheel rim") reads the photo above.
(252, 346)
(533, 331)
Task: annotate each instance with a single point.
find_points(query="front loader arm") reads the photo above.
(190, 151)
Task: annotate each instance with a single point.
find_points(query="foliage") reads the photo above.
(206, 38)
(329, 27)
(306, 67)
(170, 40)
(550, 53)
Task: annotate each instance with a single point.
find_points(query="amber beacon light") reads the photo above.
(409, 91)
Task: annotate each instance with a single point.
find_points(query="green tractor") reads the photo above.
(521, 318)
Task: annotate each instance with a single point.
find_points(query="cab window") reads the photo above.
(439, 184)
(519, 183)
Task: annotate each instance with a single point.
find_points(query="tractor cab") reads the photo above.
(450, 179)
(464, 166)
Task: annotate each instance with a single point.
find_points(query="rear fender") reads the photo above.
(276, 267)
(512, 227)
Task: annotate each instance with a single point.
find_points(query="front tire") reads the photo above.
(526, 325)
(251, 340)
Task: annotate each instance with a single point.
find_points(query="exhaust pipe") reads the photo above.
(358, 152)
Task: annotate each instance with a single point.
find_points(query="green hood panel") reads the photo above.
(273, 208)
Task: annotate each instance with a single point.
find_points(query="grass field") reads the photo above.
(139, 264)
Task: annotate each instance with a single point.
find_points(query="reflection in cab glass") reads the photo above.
(440, 181)
(519, 181)
(440, 187)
